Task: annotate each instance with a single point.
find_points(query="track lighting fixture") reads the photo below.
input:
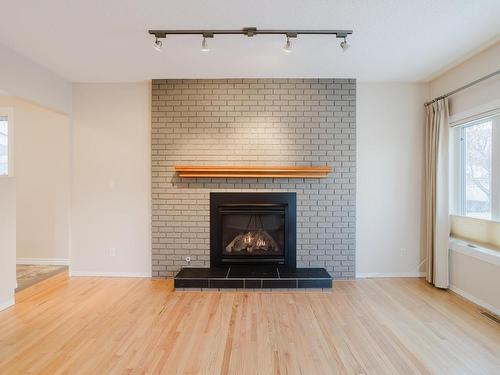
(344, 45)
(204, 45)
(157, 45)
(288, 45)
(250, 32)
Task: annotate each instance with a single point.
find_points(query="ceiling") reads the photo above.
(107, 40)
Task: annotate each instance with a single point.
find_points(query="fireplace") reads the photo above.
(252, 246)
(253, 228)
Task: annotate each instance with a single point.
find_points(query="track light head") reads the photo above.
(344, 45)
(288, 45)
(204, 45)
(158, 44)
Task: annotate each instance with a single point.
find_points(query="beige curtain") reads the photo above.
(436, 193)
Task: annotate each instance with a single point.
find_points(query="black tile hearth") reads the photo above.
(314, 283)
(227, 283)
(253, 272)
(279, 283)
(191, 283)
(203, 273)
(253, 277)
(303, 273)
(253, 284)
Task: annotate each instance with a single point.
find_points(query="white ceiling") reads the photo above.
(107, 40)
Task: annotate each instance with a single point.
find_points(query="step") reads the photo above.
(252, 277)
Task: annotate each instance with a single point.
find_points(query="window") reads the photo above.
(477, 170)
(4, 145)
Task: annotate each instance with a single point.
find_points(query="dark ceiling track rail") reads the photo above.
(250, 32)
(488, 76)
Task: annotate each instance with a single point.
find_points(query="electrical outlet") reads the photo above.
(402, 252)
(112, 252)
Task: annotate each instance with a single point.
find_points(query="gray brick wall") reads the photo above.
(254, 122)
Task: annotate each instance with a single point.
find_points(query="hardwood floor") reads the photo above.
(137, 326)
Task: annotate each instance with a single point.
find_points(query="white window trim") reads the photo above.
(457, 166)
(495, 167)
(9, 112)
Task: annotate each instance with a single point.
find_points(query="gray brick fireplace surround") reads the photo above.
(254, 122)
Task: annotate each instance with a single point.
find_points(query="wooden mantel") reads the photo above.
(252, 171)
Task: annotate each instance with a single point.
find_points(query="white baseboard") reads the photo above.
(40, 261)
(380, 275)
(109, 274)
(5, 305)
(475, 300)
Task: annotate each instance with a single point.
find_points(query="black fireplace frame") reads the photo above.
(225, 201)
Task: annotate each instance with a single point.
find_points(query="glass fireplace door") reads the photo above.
(248, 234)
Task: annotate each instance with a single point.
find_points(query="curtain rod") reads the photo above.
(464, 87)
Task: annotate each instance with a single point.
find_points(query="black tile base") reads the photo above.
(191, 283)
(203, 273)
(253, 272)
(253, 277)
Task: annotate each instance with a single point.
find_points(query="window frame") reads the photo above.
(458, 171)
(9, 113)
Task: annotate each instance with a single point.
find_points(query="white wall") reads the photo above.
(476, 99)
(7, 241)
(25, 79)
(42, 171)
(476, 279)
(390, 144)
(111, 180)
(483, 63)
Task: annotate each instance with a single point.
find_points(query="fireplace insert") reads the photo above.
(253, 228)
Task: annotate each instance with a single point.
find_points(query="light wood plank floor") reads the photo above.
(139, 326)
